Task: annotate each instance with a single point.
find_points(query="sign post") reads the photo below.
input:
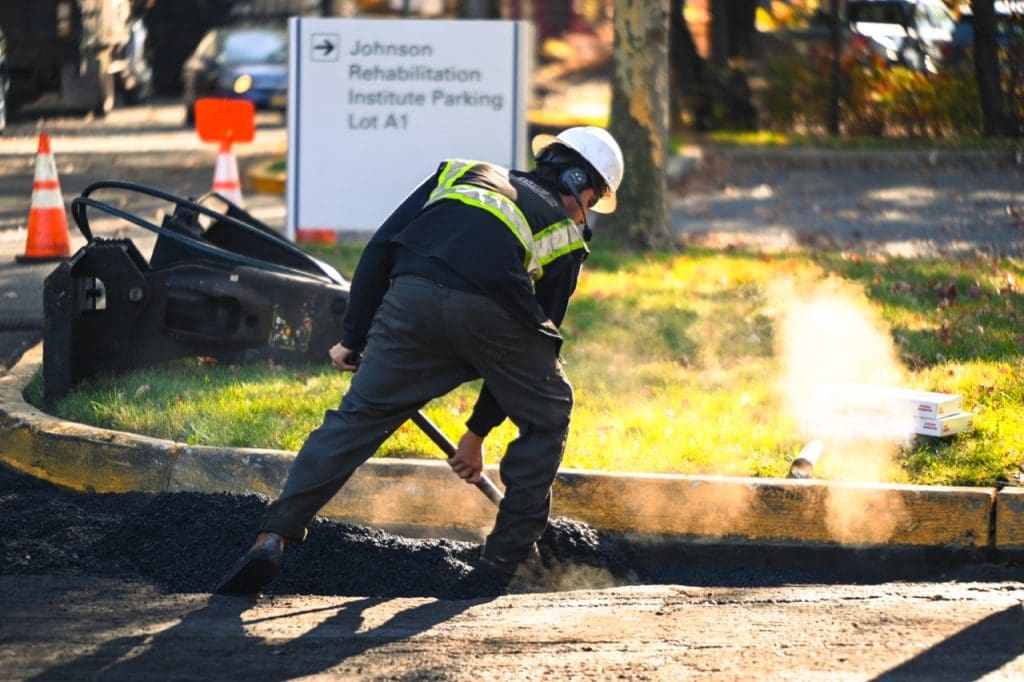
(376, 104)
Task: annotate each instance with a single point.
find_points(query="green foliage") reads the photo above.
(945, 311)
(344, 255)
(922, 105)
(875, 99)
(202, 404)
(794, 95)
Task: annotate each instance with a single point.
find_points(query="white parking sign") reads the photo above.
(376, 104)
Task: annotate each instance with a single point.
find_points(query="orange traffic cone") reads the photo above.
(225, 178)
(48, 238)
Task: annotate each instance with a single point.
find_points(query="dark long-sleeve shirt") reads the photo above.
(471, 249)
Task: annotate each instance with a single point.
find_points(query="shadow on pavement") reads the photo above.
(992, 642)
(221, 628)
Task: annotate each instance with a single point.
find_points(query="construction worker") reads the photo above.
(469, 277)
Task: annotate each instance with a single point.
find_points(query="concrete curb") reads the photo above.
(1009, 521)
(424, 496)
(262, 179)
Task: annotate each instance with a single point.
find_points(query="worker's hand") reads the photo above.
(468, 460)
(340, 358)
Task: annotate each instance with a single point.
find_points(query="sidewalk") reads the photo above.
(899, 204)
(770, 197)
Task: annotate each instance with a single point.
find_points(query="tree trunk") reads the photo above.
(835, 31)
(686, 68)
(639, 121)
(986, 68)
(732, 37)
(742, 16)
(478, 9)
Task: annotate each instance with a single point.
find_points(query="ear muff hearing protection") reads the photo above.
(571, 181)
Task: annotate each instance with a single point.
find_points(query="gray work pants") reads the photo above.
(425, 340)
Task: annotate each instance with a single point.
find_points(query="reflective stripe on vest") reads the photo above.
(557, 240)
(495, 203)
(453, 170)
(553, 241)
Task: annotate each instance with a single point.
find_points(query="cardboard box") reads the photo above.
(859, 425)
(865, 411)
(903, 401)
(945, 426)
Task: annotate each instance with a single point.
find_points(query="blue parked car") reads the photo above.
(247, 62)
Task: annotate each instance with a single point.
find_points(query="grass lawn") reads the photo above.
(699, 362)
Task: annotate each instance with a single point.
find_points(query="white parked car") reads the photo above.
(912, 33)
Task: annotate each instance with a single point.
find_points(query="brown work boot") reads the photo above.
(260, 565)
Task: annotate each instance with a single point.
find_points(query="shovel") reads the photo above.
(428, 427)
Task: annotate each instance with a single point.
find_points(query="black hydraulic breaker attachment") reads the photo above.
(218, 284)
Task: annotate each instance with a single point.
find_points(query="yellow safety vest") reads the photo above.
(548, 244)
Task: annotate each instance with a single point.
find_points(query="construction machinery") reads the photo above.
(219, 284)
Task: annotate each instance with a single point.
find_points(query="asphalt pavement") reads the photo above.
(898, 203)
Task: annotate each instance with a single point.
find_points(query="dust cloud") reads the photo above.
(697, 509)
(834, 351)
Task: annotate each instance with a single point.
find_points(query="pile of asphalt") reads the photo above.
(186, 542)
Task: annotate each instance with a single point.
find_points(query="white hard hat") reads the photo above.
(600, 150)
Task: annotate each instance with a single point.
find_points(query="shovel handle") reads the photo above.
(428, 427)
(435, 434)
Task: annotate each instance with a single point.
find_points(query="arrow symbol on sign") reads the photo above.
(326, 47)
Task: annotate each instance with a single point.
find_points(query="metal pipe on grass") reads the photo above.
(803, 465)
